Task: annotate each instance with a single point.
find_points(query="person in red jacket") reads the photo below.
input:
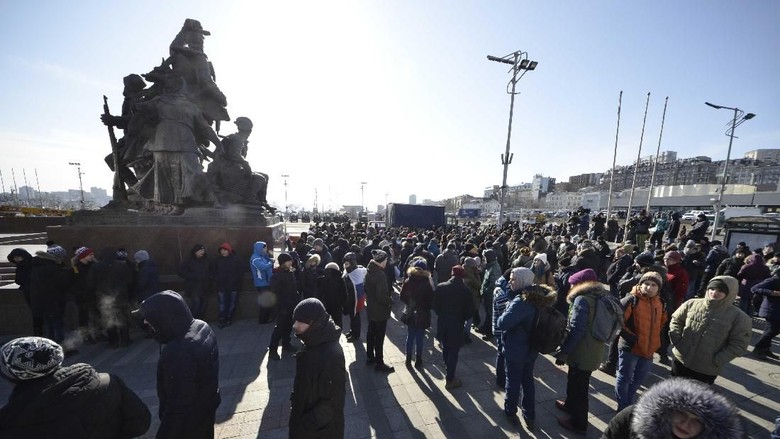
(677, 277)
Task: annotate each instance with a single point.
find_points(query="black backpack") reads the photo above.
(548, 330)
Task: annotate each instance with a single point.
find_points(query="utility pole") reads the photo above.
(520, 63)
(362, 203)
(81, 186)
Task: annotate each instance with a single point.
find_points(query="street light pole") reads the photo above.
(362, 203)
(730, 132)
(81, 186)
(520, 63)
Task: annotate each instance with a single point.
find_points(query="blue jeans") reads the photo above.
(414, 337)
(227, 305)
(500, 364)
(631, 372)
(450, 354)
(520, 375)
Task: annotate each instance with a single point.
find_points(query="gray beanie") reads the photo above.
(140, 256)
(524, 275)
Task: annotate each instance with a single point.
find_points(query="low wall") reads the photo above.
(29, 224)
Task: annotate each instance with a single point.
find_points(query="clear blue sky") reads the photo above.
(399, 94)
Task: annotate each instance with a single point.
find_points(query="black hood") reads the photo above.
(321, 331)
(168, 314)
(19, 252)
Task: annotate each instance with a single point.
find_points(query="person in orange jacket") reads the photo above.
(644, 317)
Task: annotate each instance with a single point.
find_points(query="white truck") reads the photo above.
(732, 212)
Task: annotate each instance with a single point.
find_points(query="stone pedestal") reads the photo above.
(167, 238)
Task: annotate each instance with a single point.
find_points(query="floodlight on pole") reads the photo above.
(738, 114)
(520, 65)
(81, 186)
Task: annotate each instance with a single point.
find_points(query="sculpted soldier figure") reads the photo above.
(176, 176)
(137, 129)
(231, 172)
(191, 63)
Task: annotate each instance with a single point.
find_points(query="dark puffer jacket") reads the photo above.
(188, 368)
(770, 306)
(49, 282)
(417, 292)
(74, 402)
(319, 389)
(453, 304)
(651, 416)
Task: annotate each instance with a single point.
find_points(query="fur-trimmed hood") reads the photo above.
(540, 296)
(585, 288)
(653, 412)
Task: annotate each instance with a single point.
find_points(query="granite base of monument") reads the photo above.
(167, 238)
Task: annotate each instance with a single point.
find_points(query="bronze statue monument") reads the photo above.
(168, 133)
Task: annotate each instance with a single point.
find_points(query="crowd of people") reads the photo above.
(648, 288)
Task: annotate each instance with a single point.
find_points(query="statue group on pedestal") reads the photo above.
(167, 132)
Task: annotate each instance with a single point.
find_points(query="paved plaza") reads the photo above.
(407, 403)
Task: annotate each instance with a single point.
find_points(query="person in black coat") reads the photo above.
(453, 305)
(319, 389)
(111, 279)
(284, 285)
(769, 292)
(147, 280)
(22, 259)
(50, 279)
(51, 401)
(227, 274)
(196, 274)
(332, 292)
(187, 370)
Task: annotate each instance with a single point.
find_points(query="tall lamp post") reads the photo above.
(520, 65)
(362, 203)
(81, 186)
(286, 213)
(738, 114)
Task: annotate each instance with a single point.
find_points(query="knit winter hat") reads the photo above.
(458, 271)
(470, 262)
(420, 263)
(57, 251)
(653, 277)
(673, 255)
(332, 266)
(490, 255)
(379, 256)
(318, 242)
(644, 260)
(84, 252)
(283, 257)
(140, 256)
(524, 275)
(309, 310)
(717, 284)
(542, 257)
(586, 275)
(28, 358)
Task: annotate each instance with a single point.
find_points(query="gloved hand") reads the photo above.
(560, 359)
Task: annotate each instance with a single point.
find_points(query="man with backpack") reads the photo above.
(517, 324)
(592, 323)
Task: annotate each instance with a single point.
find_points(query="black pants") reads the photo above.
(375, 339)
(612, 359)
(770, 332)
(679, 370)
(354, 325)
(577, 383)
(284, 324)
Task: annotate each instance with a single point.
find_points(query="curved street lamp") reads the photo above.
(738, 114)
